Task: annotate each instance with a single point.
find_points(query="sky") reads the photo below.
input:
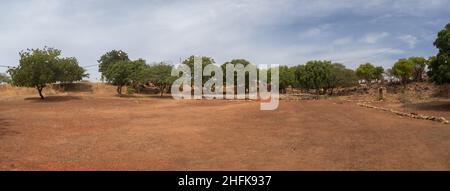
(286, 32)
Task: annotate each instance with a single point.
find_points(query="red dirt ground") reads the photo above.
(111, 133)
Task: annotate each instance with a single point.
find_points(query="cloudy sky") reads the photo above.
(262, 31)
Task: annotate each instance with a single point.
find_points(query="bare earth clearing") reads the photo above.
(90, 132)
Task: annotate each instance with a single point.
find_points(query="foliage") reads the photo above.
(124, 73)
(160, 75)
(439, 65)
(69, 70)
(369, 72)
(341, 77)
(39, 67)
(403, 69)
(287, 78)
(420, 63)
(315, 74)
(205, 61)
(109, 59)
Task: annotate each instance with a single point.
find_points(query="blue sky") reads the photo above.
(287, 32)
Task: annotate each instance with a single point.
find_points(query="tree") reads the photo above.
(368, 72)
(315, 74)
(287, 78)
(235, 62)
(439, 65)
(420, 64)
(341, 77)
(205, 61)
(69, 70)
(109, 59)
(403, 69)
(4, 78)
(124, 73)
(379, 70)
(39, 67)
(160, 76)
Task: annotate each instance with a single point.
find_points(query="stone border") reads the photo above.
(410, 115)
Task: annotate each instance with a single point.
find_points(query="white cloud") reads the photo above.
(410, 40)
(342, 41)
(257, 30)
(372, 38)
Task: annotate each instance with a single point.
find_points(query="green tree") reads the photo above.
(368, 72)
(205, 61)
(379, 71)
(69, 71)
(341, 77)
(287, 78)
(120, 74)
(109, 59)
(439, 65)
(4, 78)
(315, 74)
(403, 69)
(160, 76)
(235, 62)
(39, 67)
(420, 63)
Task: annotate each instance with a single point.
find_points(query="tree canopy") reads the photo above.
(315, 74)
(403, 69)
(369, 72)
(160, 76)
(439, 65)
(110, 58)
(39, 67)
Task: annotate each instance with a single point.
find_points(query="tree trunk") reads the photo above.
(39, 88)
(161, 90)
(119, 90)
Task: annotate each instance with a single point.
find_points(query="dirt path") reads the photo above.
(89, 133)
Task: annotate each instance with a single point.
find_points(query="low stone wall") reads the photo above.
(410, 115)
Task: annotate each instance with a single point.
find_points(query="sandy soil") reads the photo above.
(112, 133)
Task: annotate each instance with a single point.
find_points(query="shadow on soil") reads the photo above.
(434, 106)
(53, 98)
(4, 130)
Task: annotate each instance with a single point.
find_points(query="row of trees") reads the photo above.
(39, 67)
(117, 69)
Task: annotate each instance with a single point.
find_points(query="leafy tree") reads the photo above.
(420, 64)
(379, 70)
(315, 74)
(368, 72)
(110, 58)
(403, 69)
(118, 74)
(341, 77)
(124, 73)
(160, 75)
(138, 74)
(439, 65)
(69, 70)
(235, 62)
(287, 78)
(4, 78)
(39, 67)
(205, 61)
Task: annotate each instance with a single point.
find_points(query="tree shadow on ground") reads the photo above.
(4, 130)
(53, 98)
(433, 106)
